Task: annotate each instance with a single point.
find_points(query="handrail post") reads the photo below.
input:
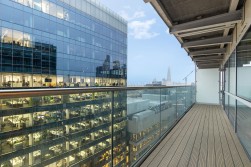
(235, 125)
(112, 124)
(176, 107)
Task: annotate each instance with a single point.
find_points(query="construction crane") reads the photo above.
(187, 76)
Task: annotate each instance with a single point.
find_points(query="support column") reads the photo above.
(92, 136)
(92, 109)
(31, 158)
(67, 145)
(67, 113)
(31, 139)
(67, 129)
(31, 120)
(67, 132)
(1, 122)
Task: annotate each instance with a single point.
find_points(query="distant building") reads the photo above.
(155, 83)
(144, 121)
(168, 80)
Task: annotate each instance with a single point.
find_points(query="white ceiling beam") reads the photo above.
(209, 63)
(208, 52)
(203, 31)
(232, 7)
(208, 67)
(207, 42)
(160, 10)
(239, 30)
(210, 22)
(207, 58)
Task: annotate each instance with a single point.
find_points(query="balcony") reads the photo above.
(147, 126)
(216, 36)
(204, 137)
(136, 126)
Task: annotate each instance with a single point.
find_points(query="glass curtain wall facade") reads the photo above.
(61, 43)
(84, 130)
(237, 84)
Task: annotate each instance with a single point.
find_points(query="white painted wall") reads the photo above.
(207, 86)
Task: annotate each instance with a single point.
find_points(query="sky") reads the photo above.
(151, 49)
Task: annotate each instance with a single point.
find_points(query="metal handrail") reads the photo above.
(242, 100)
(14, 93)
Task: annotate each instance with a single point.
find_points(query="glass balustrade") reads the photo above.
(111, 127)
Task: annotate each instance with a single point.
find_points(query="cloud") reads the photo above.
(136, 15)
(142, 29)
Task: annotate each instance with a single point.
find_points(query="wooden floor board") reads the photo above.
(219, 158)
(204, 137)
(196, 147)
(184, 160)
(234, 153)
(210, 142)
(226, 151)
(171, 145)
(172, 134)
(203, 148)
(176, 157)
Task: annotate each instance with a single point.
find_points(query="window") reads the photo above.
(17, 38)
(243, 52)
(60, 12)
(53, 9)
(66, 15)
(37, 4)
(45, 6)
(6, 35)
(28, 3)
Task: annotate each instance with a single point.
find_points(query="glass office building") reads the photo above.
(59, 130)
(61, 43)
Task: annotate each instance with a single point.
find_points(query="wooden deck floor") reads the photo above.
(204, 137)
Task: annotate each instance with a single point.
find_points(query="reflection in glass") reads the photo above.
(232, 73)
(6, 36)
(143, 108)
(168, 108)
(231, 110)
(243, 125)
(37, 4)
(83, 123)
(45, 6)
(244, 66)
